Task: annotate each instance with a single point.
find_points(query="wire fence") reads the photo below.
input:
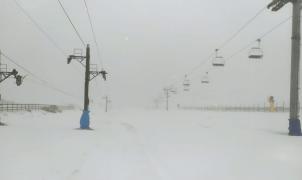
(240, 108)
(32, 107)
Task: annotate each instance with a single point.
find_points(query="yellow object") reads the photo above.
(272, 107)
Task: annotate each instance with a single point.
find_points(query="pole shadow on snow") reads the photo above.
(87, 129)
(275, 132)
(3, 124)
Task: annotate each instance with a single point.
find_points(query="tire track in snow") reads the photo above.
(138, 139)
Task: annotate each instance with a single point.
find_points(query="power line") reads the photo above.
(242, 28)
(69, 19)
(93, 34)
(57, 89)
(20, 66)
(260, 37)
(40, 28)
(193, 69)
(41, 81)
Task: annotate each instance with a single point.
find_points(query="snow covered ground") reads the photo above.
(149, 145)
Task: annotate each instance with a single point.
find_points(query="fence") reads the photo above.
(256, 108)
(21, 107)
(32, 107)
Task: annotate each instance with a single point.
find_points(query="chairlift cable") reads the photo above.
(252, 42)
(39, 27)
(70, 21)
(94, 34)
(226, 42)
(260, 37)
(41, 81)
(242, 28)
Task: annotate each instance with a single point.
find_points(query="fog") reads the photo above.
(146, 46)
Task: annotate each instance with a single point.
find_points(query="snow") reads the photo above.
(149, 145)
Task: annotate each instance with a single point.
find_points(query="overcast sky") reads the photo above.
(146, 45)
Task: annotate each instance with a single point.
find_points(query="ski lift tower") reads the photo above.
(91, 72)
(294, 121)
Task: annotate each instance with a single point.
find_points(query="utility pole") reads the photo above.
(87, 77)
(294, 121)
(0, 66)
(107, 101)
(0, 76)
(167, 98)
(85, 120)
(167, 92)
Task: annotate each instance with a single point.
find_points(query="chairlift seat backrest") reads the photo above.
(218, 61)
(256, 53)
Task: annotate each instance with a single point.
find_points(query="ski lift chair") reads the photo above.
(256, 52)
(205, 79)
(186, 84)
(218, 61)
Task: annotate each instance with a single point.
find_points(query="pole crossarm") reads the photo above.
(80, 59)
(94, 74)
(276, 5)
(7, 74)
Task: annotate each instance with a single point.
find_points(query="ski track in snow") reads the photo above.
(132, 152)
(149, 146)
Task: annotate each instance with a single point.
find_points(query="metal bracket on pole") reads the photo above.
(14, 73)
(5, 74)
(94, 72)
(276, 5)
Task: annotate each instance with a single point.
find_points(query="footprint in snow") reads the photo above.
(128, 127)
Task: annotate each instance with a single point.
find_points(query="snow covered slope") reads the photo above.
(149, 145)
